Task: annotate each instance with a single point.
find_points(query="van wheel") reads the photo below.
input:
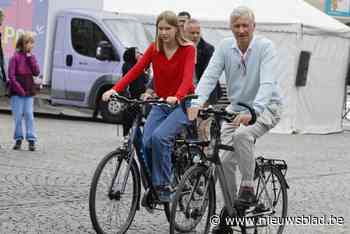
(111, 111)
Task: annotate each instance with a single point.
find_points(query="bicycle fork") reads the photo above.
(115, 190)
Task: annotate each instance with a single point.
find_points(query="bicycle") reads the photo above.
(119, 175)
(270, 187)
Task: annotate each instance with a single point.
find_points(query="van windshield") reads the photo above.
(129, 32)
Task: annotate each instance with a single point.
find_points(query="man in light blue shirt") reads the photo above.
(249, 63)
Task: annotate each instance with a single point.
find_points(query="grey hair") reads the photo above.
(242, 11)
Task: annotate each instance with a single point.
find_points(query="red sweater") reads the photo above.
(171, 77)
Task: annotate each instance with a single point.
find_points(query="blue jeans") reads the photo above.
(162, 126)
(22, 107)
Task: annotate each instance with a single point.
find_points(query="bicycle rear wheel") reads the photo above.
(114, 194)
(194, 201)
(183, 159)
(271, 192)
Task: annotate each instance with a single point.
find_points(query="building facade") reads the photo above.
(339, 9)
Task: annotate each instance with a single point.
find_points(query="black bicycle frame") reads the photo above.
(216, 159)
(131, 142)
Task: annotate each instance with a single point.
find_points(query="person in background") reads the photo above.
(22, 69)
(172, 58)
(204, 53)
(182, 17)
(249, 63)
(205, 50)
(135, 90)
(138, 86)
(2, 61)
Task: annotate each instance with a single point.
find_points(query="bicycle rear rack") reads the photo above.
(277, 163)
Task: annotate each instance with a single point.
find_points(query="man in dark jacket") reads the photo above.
(204, 52)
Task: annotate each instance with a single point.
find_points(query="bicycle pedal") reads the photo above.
(262, 213)
(195, 213)
(260, 208)
(244, 205)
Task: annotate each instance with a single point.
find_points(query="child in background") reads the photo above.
(22, 69)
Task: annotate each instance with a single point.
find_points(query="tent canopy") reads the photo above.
(266, 11)
(293, 26)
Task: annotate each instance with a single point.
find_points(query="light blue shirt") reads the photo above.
(250, 77)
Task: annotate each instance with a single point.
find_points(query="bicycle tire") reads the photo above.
(194, 172)
(186, 153)
(95, 214)
(277, 176)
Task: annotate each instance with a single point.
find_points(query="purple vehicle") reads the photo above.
(67, 39)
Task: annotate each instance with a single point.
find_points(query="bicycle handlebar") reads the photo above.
(223, 114)
(127, 100)
(251, 111)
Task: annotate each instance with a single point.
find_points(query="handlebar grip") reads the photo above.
(251, 111)
(189, 97)
(121, 98)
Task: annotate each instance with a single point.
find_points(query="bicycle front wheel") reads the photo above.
(194, 201)
(271, 192)
(114, 194)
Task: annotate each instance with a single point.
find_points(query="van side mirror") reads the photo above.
(104, 51)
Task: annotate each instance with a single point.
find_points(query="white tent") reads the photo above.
(294, 26)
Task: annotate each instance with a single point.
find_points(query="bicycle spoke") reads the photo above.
(192, 205)
(272, 201)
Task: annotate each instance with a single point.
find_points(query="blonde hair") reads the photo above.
(23, 40)
(171, 18)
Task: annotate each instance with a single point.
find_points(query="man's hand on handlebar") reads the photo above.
(242, 118)
(107, 95)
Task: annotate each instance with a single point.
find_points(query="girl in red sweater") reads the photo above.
(173, 60)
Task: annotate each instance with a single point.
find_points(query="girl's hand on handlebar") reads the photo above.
(146, 96)
(172, 100)
(107, 95)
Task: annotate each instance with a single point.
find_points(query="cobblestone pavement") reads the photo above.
(47, 191)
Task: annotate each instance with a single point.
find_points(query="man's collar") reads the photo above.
(235, 46)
